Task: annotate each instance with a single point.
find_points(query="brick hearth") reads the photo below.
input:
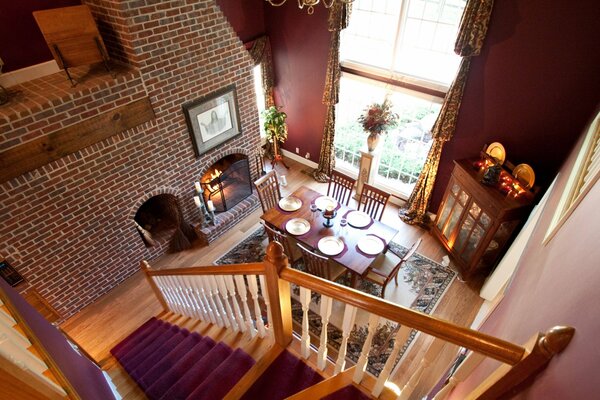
(68, 226)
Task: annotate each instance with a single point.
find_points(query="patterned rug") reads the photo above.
(426, 279)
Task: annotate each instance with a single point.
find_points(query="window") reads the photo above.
(404, 149)
(260, 97)
(585, 173)
(410, 41)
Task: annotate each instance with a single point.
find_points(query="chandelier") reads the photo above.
(309, 4)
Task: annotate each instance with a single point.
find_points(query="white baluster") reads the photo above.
(20, 355)
(178, 296)
(462, 372)
(159, 284)
(225, 294)
(243, 293)
(4, 316)
(208, 290)
(166, 290)
(305, 340)
(14, 334)
(347, 325)
(252, 286)
(430, 355)
(189, 298)
(181, 295)
(217, 297)
(198, 285)
(325, 312)
(361, 365)
(194, 298)
(236, 307)
(265, 295)
(399, 341)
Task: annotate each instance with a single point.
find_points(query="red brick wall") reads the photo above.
(67, 227)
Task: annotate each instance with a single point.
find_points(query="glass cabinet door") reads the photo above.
(472, 232)
(456, 200)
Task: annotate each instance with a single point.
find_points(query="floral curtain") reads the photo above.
(339, 15)
(471, 35)
(261, 54)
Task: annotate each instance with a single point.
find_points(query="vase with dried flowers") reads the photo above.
(377, 119)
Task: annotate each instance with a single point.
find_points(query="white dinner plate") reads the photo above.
(330, 246)
(297, 226)
(290, 203)
(358, 219)
(371, 244)
(324, 202)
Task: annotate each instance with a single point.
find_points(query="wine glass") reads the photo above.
(343, 225)
(313, 210)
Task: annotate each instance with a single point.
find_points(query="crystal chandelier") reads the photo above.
(309, 4)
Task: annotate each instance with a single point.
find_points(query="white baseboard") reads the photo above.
(13, 78)
(301, 160)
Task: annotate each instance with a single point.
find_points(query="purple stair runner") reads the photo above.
(347, 393)
(156, 371)
(286, 376)
(134, 337)
(160, 353)
(131, 363)
(224, 378)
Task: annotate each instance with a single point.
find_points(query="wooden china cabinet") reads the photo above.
(476, 221)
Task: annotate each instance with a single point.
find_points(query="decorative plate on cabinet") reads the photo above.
(496, 150)
(525, 175)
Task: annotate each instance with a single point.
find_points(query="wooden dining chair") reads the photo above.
(320, 266)
(340, 187)
(290, 248)
(268, 191)
(386, 266)
(373, 201)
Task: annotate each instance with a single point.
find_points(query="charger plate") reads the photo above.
(358, 219)
(290, 203)
(297, 226)
(371, 244)
(325, 201)
(330, 245)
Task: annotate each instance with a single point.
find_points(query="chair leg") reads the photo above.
(383, 290)
(396, 279)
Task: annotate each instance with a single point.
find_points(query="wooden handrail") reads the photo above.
(226, 269)
(485, 344)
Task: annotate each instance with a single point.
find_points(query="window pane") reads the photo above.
(260, 97)
(404, 149)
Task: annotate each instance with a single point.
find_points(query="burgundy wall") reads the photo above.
(300, 45)
(246, 17)
(532, 88)
(555, 284)
(22, 42)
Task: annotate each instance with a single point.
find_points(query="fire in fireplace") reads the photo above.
(227, 182)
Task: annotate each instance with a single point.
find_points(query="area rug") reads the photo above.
(426, 279)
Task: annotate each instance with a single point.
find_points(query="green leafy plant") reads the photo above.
(274, 124)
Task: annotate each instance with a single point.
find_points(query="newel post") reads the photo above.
(145, 267)
(279, 294)
(540, 350)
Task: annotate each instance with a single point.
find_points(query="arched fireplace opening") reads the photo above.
(227, 182)
(159, 220)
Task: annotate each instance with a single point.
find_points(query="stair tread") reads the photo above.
(158, 354)
(171, 359)
(170, 376)
(347, 393)
(132, 351)
(134, 336)
(133, 362)
(291, 374)
(224, 377)
(195, 375)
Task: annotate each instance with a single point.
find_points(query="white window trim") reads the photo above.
(576, 189)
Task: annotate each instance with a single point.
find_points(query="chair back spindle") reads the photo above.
(340, 187)
(373, 201)
(268, 191)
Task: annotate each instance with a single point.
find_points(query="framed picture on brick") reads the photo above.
(213, 119)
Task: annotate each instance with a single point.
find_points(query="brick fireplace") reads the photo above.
(68, 226)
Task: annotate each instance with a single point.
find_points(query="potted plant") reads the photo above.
(377, 119)
(275, 129)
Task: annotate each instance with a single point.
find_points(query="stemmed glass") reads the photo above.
(313, 209)
(343, 225)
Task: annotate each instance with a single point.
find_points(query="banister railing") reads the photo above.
(235, 296)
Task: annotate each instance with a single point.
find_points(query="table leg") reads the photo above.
(354, 280)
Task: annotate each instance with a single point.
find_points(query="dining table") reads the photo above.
(351, 257)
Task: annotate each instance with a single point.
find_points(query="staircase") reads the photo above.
(169, 362)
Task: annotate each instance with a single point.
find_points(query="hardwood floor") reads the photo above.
(98, 327)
